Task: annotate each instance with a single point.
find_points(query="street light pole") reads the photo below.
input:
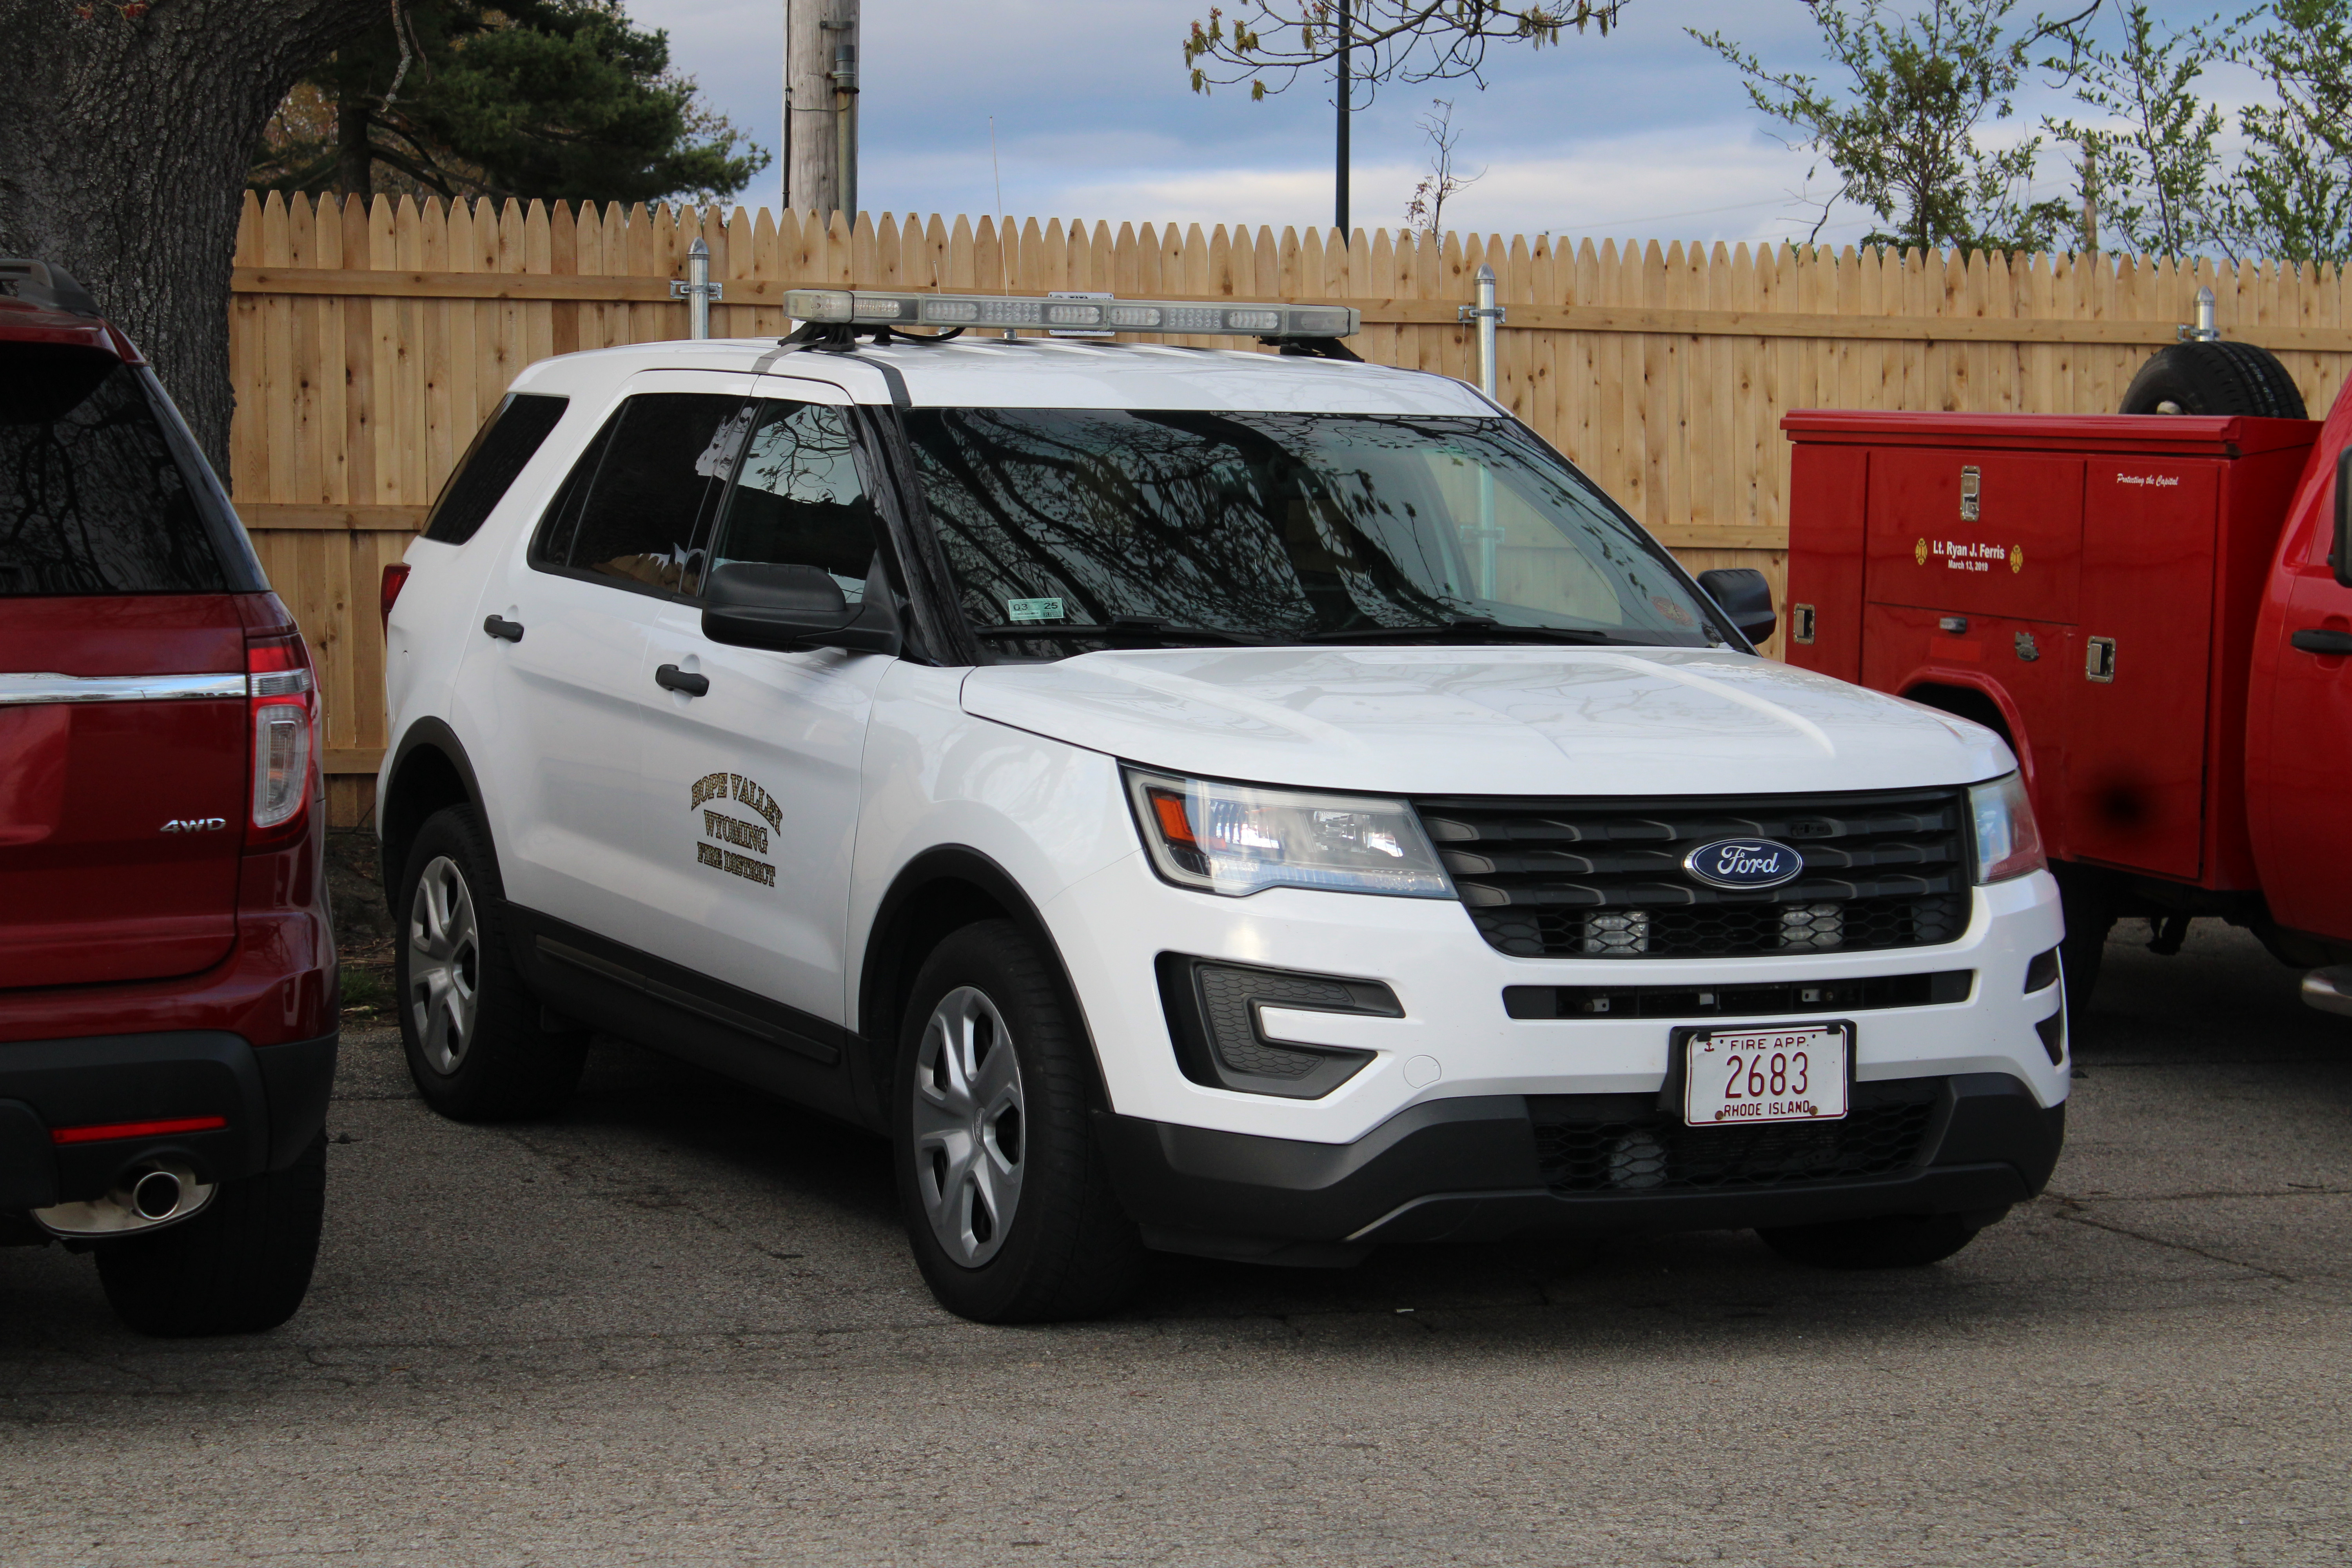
(1339, 205)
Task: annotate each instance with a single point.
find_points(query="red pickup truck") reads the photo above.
(2154, 609)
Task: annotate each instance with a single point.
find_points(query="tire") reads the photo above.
(2086, 900)
(240, 1266)
(470, 1027)
(1890, 1241)
(1010, 1216)
(2214, 377)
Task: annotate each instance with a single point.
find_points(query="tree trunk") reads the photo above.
(125, 131)
(354, 158)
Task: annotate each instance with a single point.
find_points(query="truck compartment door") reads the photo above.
(1994, 534)
(1821, 625)
(2020, 666)
(2136, 792)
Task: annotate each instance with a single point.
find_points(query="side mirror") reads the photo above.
(748, 603)
(2339, 554)
(1745, 597)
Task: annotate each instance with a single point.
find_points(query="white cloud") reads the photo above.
(1644, 133)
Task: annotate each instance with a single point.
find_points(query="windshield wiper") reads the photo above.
(1138, 628)
(1479, 628)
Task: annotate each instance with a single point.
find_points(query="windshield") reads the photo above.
(1284, 528)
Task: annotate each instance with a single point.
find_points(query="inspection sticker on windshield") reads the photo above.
(1793, 1073)
(1035, 609)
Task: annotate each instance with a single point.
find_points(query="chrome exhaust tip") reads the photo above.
(159, 1193)
(2329, 990)
(155, 1195)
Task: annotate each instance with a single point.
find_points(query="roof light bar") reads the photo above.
(867, 308)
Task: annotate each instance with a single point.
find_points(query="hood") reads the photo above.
(1489, 720)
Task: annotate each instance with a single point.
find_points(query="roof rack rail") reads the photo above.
(44, 284)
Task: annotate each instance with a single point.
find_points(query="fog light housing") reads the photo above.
(1214, 1020)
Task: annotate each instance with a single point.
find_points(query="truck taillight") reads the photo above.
(395, 578)
(284, 701)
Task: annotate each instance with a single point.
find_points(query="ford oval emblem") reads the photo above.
(1744, 863)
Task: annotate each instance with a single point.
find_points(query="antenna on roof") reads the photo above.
(1003, 281)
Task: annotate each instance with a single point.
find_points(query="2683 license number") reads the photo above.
(1796, 1073)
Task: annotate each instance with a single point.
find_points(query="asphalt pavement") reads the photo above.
(679, 1325)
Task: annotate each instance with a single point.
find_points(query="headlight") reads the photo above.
(2008, 844)
(1238, 840)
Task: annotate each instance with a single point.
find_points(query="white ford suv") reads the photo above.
(1260, 806)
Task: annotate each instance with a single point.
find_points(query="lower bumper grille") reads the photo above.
(1729, 930)
(1654, 1151)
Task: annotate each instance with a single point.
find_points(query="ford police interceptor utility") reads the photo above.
(1260, 806)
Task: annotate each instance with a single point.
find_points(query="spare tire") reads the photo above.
(2214, 377)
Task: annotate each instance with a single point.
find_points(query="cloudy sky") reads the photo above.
(1643, 133)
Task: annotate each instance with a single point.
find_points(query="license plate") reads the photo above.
(1794, 1072)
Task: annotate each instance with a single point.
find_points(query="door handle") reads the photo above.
(2321, 640)
(506, 631)
(672, 679)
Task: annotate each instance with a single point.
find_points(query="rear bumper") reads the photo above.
(1468, 1168)
(272, 1100)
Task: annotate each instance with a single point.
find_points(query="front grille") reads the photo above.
(1603, 877)
(1622, 1143)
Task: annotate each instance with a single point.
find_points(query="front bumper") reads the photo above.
(271, 1100)
(1472, 1169)
(1454, 1034)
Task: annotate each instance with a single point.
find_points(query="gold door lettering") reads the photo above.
(734, 830)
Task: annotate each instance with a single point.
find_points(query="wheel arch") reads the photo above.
(1977, 699)
(934, 895)
(430, 772)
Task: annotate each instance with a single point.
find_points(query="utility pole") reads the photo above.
(1339, 205)
(820, 106)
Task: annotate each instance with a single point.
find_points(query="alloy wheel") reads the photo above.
(970, 1126)
(444, 964)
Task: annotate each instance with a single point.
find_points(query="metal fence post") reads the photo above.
(696, 289)
(1488, 315)
(1489, 536)
(2204, 331)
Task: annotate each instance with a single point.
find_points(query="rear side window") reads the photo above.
(504, 444)
(639, 506)
(92, 499)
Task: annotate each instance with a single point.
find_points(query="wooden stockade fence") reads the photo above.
(368, 342)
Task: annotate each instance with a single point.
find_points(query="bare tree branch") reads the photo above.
(1427, 209)
(1390, 40)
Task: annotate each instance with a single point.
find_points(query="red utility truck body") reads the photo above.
(2120, 595)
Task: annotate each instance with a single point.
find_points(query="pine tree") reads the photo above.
(563, 99)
